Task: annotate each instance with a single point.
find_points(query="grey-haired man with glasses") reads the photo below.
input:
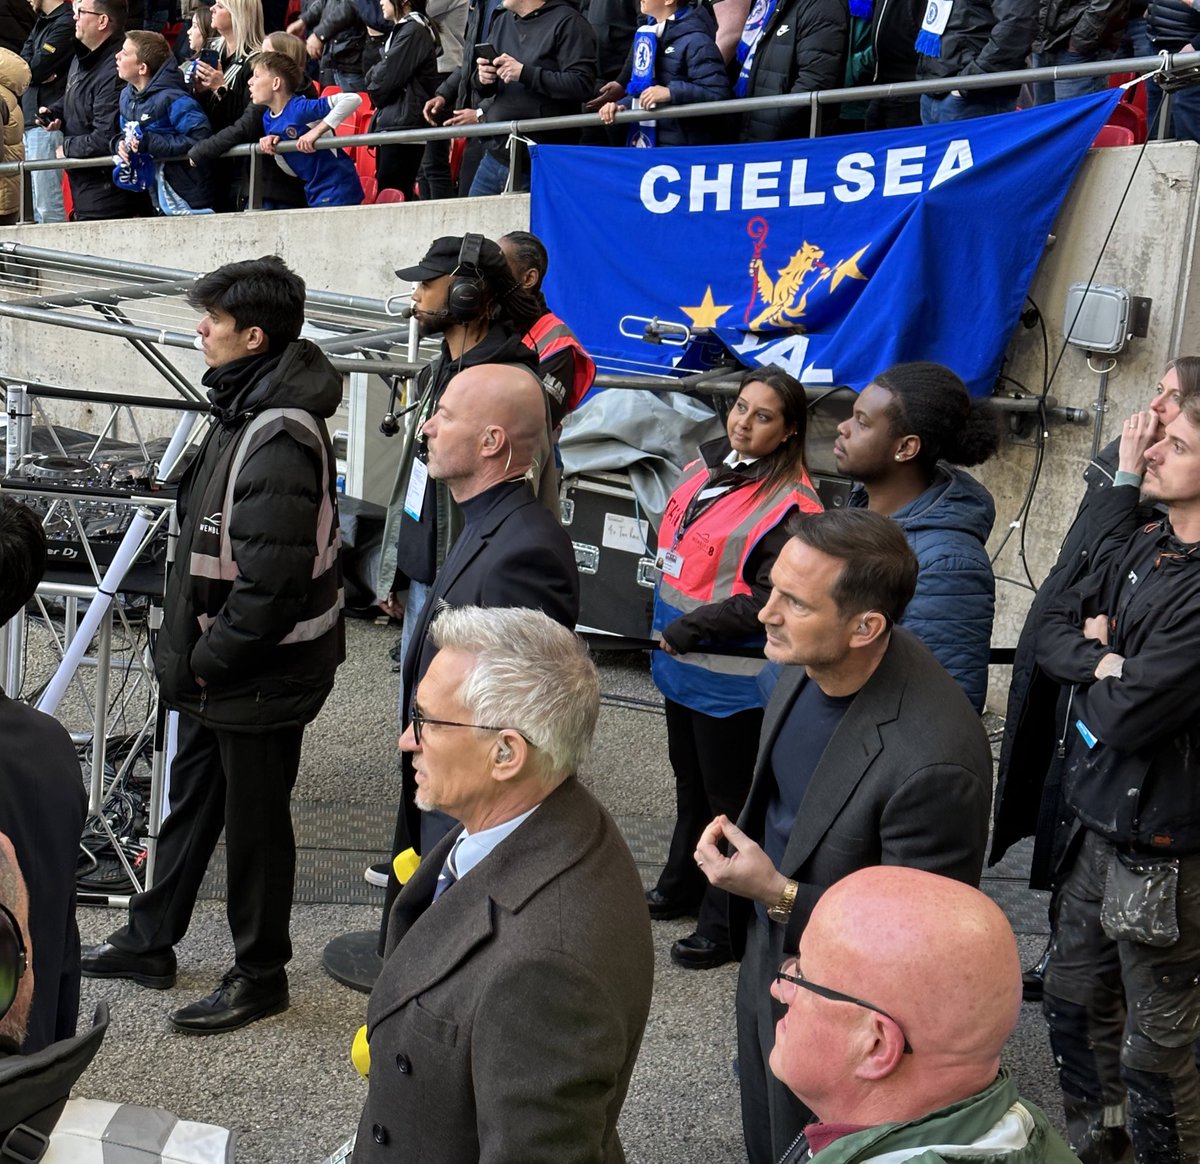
(918, 1066)
(508, 1014)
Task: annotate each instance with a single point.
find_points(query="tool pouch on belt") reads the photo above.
(1139, 901)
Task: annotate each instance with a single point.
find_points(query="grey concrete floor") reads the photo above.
(285, 1085)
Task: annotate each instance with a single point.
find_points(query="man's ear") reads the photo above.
(909, 447)
(883, 1050)
(256, 339)
(868, 628)
(511, 753)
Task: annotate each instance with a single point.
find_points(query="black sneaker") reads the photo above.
(377, 874)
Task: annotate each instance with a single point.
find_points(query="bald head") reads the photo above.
(490, 426)
(15, 897)
(939, 958)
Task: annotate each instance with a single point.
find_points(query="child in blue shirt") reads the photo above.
(329, 176)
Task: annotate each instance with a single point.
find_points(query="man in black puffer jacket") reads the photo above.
(799, 48)
(1073, 32)
(252, 635)
(980, 36)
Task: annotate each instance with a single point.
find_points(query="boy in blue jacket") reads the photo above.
(160, 120)
(329, 176)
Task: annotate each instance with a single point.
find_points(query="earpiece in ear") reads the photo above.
(504, 753)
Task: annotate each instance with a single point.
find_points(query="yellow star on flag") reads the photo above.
(708, 312)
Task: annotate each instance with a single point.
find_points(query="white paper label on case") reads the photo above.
(624, 533)
(414, 499)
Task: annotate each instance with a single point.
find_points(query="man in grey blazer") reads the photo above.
(507, 1017)
(870, 755)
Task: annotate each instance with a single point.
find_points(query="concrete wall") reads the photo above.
(356, 250)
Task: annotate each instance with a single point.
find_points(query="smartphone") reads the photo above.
(486, 51)
(210, 57)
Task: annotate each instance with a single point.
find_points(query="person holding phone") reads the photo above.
(539, 60)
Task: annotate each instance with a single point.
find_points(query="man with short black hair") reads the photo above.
(870, 755)
(251, 638)
(42, 802)
(1121, 993)
(88, 113)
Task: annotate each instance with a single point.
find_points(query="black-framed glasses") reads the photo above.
(790, 972)
(87, 12)
(13, 960)
(420, 721)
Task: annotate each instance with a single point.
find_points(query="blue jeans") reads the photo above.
(47, 184)
(349, 82)
(490, 178)
(418, 593)
(1047, 92)
(942, 110)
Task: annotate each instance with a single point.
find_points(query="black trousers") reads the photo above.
(713, 760)
(242, 782)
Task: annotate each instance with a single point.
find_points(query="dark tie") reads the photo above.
(448, 876)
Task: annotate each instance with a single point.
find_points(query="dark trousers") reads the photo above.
(396, 167)
(242, 782)
(772, 1117)
(1124, 1016)
(713, 760)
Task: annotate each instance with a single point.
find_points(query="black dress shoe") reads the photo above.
(1033, 980)
(238, 1000)
(696, 952)
(156, 970)
(663, 908)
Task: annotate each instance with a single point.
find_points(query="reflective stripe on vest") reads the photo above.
(551, 335)
(715, 547)
(303, 428)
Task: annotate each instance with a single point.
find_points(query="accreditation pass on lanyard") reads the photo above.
(414, 499)
(670, 563)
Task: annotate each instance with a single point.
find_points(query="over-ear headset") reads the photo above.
(13, 962)
(466, 297)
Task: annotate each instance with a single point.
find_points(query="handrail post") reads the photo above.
(814, 117)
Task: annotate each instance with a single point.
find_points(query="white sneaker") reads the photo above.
(378, 874)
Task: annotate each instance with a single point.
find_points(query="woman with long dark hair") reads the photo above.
(721, 532)
(912, 429)
(399, 85)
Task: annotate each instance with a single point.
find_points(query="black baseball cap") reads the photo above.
(440, 259)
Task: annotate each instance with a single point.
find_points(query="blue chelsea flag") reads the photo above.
(835, 257)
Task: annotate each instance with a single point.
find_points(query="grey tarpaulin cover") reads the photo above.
(651, 435)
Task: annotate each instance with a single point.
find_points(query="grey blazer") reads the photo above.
(507, 1017)
(905, 780)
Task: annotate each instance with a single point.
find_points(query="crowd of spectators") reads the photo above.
(426, 63)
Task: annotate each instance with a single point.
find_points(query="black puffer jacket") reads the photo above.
(90, 121)
(16, 21)
(253, 679)
(1172, 24)
(1136, 781)
(894, 28)
(405, 77)
(983, 36)
(802, 48)
(48, 51)
(1086, 26)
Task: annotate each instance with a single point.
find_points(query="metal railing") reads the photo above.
(517, 131)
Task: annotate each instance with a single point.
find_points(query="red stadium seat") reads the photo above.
(1113, 135)
(390, 195)
(370, 190)
(1130, 117)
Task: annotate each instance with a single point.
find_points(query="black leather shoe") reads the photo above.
(663, 908)
(235, 1002)
(1033, 980)
(107, 961)
(699, 953)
